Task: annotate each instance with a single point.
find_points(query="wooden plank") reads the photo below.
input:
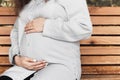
(106, 30)
(4, 60)
(105, 20)
(96, 76)
(98, 60)
(91, 70)
(100, 77)
(87, 50)
(104, 10)
(100, 50)
(102, 40)
(5, 30)
(6, 11)
(93, 11)
(85, 77)
(94, 40)
(4, 50)
(7, 19)
(97, 30)
(96, 20)
(86, 60)
(85, 69)
(101, 70)
(4, 40)
(3, 68)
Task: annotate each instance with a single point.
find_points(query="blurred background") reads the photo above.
(103, 2)
(9, 3)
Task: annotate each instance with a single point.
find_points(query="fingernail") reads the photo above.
(34, 60)
(46, 64)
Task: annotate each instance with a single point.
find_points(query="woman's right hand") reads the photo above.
(29, 63)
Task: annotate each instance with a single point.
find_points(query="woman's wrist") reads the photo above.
(13, 61)
(17, 60)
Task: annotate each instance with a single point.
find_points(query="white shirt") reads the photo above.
(67, 22)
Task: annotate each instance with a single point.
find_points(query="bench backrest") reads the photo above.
(99, 54)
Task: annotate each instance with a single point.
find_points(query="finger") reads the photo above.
(39, 67)
(37, 63)
(30, 66)
(36, 69)
(30, 60)
(43, 61)
(31, 31)
(34, 62)
(29, 26)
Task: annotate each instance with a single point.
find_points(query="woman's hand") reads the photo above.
(29, 63)
(35, 25)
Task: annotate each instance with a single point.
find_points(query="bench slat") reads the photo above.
(87, 50)
(100, 50)
(86, 69)
(108, 70)
(105, 20)
(4, 50)
(93, 11)
(102, 40)
(94, 40)
(106, 30)
(4, 40)
(104, 10)
(100, 77)
(7, 19)
(3, 68)
(100, 60)
(97, 30)
(6, 11)
(97, 20)
(86, 60)
(5, 30)
(4, 60)
(101, 70)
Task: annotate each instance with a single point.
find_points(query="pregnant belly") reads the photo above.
(32, 46)
(36, 46)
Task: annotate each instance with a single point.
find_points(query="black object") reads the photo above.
(28, 78)
(5, 78)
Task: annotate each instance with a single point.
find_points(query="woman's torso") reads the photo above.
(36, 46)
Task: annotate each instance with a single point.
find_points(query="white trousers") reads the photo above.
(53, 71)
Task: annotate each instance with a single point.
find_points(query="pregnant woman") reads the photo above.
(45, 39)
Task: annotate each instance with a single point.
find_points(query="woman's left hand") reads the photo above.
(35, 25)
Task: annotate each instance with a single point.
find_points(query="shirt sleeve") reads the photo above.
(78, 25)
(14, 49)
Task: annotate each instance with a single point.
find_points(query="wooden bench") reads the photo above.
(100, 54)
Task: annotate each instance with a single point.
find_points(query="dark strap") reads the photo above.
(5, 78)
(28, 78)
